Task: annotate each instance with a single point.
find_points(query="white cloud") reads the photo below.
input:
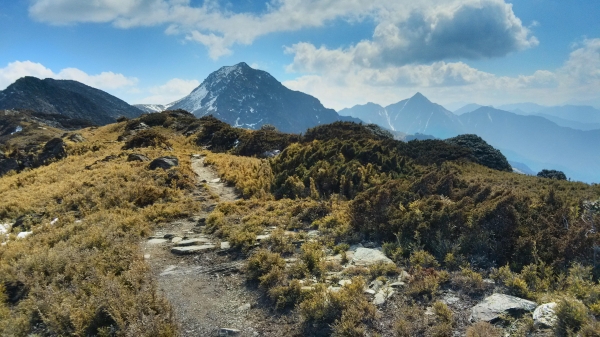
(340, 82)
(407, 31)
(105, 80)
(169, 92)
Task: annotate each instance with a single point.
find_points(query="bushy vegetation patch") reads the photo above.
(84, 274)
(483, 153)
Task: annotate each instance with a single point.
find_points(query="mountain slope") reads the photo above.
(419, 115)
(249, 98)
(369, 113)
(414, 115)
(467, 108)
(65, 97)
(570, 123)
(538, 142)
(150, 108)
(577, 113)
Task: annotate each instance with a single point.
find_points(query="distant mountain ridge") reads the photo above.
(150, 108)
(535, 141)
(65, 97)
(414, 115)
(249, 98)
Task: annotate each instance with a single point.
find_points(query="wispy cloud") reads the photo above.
(169, 92)
(341, 83)
(105, 80)
(407, 31)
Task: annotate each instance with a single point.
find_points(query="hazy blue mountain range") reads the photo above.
(534, 141)
(69, 98)
(414, 115)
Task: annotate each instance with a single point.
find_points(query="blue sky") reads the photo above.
(343, 52)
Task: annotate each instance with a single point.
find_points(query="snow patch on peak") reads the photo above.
(197, 96)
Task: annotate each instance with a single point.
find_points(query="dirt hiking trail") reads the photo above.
(200, 277)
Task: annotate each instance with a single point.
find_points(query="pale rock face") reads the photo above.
(5, 228)
(492, 307)
(368, 256)
(23, 235)
(544, 315)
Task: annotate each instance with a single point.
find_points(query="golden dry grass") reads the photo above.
(85, 274)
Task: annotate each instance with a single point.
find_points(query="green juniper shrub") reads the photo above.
(571, 316)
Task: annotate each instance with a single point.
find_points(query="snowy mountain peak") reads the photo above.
(418, 97)
(249, 98)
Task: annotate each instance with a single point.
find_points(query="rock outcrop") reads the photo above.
(492, 307)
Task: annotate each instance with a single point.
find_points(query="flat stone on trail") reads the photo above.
(191, 249)
(176, 239)
(368, 256)
(192, 242)
(492, 307)
(157, 241)
(224, 332)
(214, 181)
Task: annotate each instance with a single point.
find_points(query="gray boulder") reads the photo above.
(7, 165)
(544, 315)
(54, 149)
(368, 256)
(492, 307)
(164, 163)
(76, 138)
(137, 157)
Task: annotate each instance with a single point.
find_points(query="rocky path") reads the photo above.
(196, 273)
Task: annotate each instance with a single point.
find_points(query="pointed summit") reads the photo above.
(419, 98)
(249, 98)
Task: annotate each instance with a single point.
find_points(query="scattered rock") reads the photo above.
(169, 236)
(259, 238)
(217, 180)
(544, 315)
(164, 163)
(492, 307)
(55, 149)
(193, 242)
(370, 291)
(368, 256)
(157, 241)
(398, 285)
(137, 157)
(383, 295)
(245, 307)
(23, 235)
(169, 270)
(191, 249)
(76, 138)
(224, 332)
(376, 285)
(404, 276)
(5, 228)
(313, 234)
(344, 282)
(450, 298)
(271, 154)
(225, 245)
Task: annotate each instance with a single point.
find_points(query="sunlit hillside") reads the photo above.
(443, 223)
